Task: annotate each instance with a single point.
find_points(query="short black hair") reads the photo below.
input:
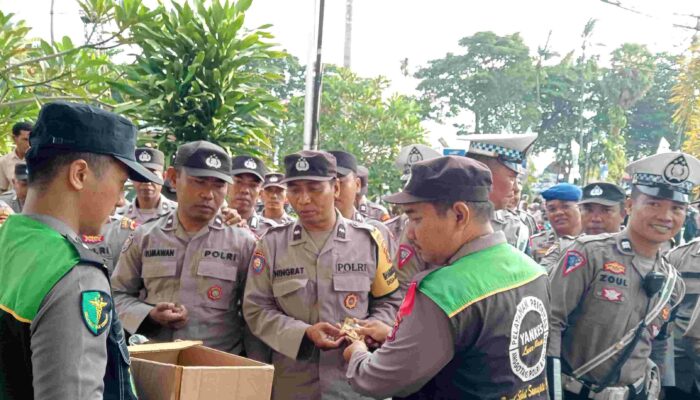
(482, 211)
(21, 126)
(44, 170)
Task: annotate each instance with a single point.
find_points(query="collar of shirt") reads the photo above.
(55, 224)
(340, 231)
(357, 216)
(478, 244)
(171, 222)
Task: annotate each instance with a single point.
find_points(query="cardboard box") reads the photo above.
(186, 370)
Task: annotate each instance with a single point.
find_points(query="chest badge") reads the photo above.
(214, 293)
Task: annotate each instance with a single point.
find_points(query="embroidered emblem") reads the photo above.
(213, 161)
(573, 260)
(302, 165)
(612, 294)
(93, 239)
(214, 292)
(96, 310)
(614, 267)
(596, 191)
(405, 254)
(145, 157)
(250, 164)
(350, 301)
(259, 262)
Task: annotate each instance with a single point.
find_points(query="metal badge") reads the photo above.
(677, 171)
(250, 164)
(145, 156)
(341, 231)
(302, 165)
(596, 191)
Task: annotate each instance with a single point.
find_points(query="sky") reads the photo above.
(388, 31)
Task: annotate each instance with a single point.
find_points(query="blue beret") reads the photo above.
(563, 191)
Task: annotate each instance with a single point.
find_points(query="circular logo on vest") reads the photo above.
(213, 161)
(250, 164)
(214, 293)
(528, 339)
(350, 301)
(144, 156)
(302, 165)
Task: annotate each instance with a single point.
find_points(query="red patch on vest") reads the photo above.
(214, 292)
(405, 310)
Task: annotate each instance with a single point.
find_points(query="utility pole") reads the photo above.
(312, 101)
(348, 34)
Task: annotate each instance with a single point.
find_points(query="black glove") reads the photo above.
(554, 378)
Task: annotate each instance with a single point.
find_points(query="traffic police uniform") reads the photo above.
(545, 245)
(60, 337)
(292, 284)
(206, 272)
(369, 209)
(474, 329)
(274, 179)
(609, 303)
(108, 244)
(152, 159)
(10, 198)
(510, 150)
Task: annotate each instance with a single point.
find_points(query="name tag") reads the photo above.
(219, 255)
(291, 271)
(342, 268)
(159, 253)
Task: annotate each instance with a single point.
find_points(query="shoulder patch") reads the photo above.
(385, 280)
(594, 238)
(573, 260)
(404, 255)
(96, 310)
(259, 263)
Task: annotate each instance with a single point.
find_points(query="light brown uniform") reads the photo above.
(549, 260)
(541, 243)
(111, 239)
(517, 233)
(597, 297)
(142, 216)
(373, 211)
(7, 169)
(292, 285)
(206, 272)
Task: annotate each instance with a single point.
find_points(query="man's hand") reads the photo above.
(375, 332)
(4, 213)
(169, 315)
(355, 346)
(325, 336)
(231, 217)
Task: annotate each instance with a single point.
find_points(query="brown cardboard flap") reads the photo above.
(204, 356)
(150, 347)
(155, 380)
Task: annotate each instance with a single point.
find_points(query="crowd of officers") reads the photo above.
(461, 295)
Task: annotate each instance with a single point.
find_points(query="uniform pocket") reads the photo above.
(285, 287)
(218, 282)
(352, 292)
(217, 270)
(159, 269)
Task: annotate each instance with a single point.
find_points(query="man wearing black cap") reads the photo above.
(16, 197)
(307, 276)
(368, 209)
(61, 337)
(476, 326)
(150, 203)
(274, 196)
(612, 294)
(191, 265)
(248, 176)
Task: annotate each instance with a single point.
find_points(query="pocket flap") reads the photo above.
(154, 269)
(282, 288)
(217, 270)
(351, 283)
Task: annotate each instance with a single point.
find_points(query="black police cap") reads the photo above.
(72, 127)
(346, 162)
(310, 165)
(603, 193)
(150, 158)
(445, 178)
(248, 165)
(204, 159)
(274, 179)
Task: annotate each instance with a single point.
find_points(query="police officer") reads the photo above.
(476, 326)
(368, 209)
(602, 210)
(514, 208)
(506, 157)
(613, 293)
(61, 338)
(309, 275)
(248, 176)
(192, 266)
(109, 242)
(149, 203)
(274, 197)
(408, 156)
(16, 197)
(561, 209)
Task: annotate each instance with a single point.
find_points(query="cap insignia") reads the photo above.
(414, 156)
(273, 179)
(597, 191)
(302, 165)
(677, 171)
(144, 156)
(250, 164)
(213, 161)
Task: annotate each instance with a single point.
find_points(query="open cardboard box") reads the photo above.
(186, 370)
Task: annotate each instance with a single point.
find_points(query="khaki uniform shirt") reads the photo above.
(517, 233)
(111, 239)
(285, 218)
(141, 216)
(259, 224)
(206, 272)
(597, 297)
(292, 285)
(541, 243)
(397, 224)
(7, 170)
(10, 198)
(549, 260)
(373, 211)
(426, 346)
